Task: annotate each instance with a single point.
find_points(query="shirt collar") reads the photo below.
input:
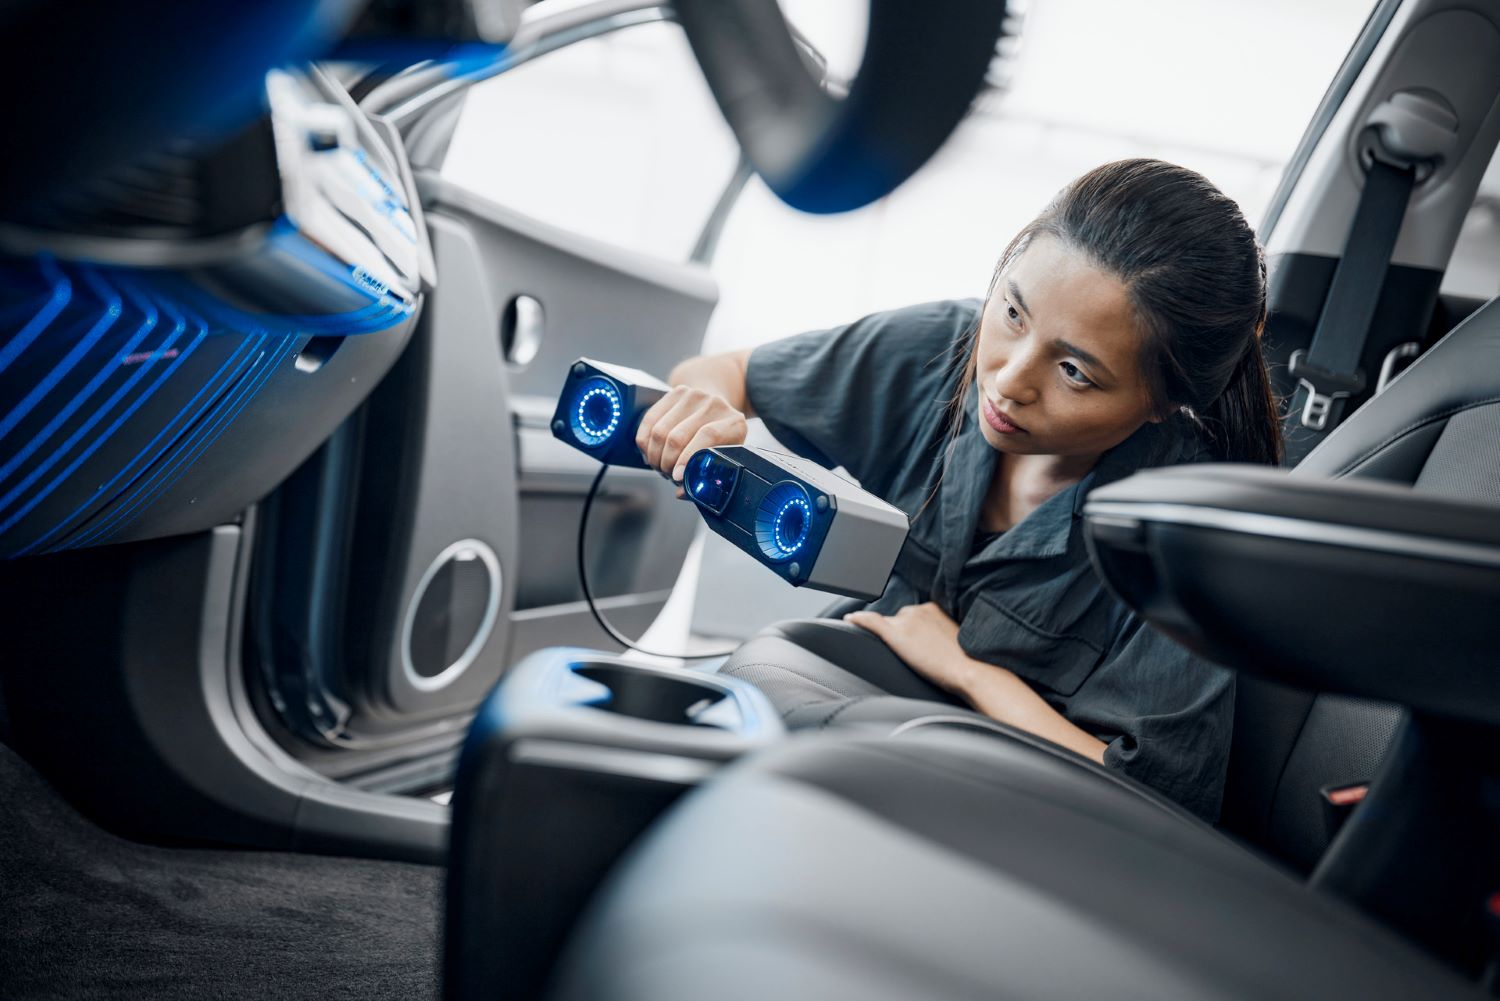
(965, 480)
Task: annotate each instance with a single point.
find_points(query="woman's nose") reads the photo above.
(1014, 381)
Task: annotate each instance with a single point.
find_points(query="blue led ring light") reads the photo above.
(596, 415)
(789, 530)
(784, 521)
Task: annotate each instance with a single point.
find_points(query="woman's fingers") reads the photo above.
(872, 621)
(726, 431)
(683, 421)
(655, 437)
(652, 417)
(688, 429)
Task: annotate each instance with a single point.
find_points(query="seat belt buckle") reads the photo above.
(1324, 386)
(1339, 802)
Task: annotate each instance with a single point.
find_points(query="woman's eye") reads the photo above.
(1075, 374)
(1011, 313)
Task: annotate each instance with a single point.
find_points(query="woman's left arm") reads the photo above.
(927, 640)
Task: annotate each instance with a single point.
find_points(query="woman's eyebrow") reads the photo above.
(1087, 358)
(1015, 293)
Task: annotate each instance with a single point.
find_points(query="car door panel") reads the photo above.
(601, 301)
(448, 512)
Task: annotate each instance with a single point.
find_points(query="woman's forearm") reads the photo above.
(721, 374)
(1000, 695)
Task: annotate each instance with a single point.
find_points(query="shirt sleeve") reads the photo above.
(1176, 735)
(857, 395)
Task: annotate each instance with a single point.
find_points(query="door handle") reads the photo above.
(522, 325)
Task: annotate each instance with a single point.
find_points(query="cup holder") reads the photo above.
(651, 696)
(571, 756)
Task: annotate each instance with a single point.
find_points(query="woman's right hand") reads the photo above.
(683, 422)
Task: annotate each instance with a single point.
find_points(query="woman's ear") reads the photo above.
(1155, 414)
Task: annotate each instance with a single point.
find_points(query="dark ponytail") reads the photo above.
(1197, 281)
(1243, 421)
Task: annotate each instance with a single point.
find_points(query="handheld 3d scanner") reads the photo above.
(808, 525)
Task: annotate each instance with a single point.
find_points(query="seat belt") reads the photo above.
(1328, 370)
(1408, 134)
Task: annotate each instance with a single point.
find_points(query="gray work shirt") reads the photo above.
(870, 397)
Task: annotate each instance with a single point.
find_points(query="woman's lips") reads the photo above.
(999, 421)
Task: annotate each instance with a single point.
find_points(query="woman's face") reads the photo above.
(1058, 359)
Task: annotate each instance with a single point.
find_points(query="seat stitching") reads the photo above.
(1397, 436)
(800, 677)
(852, 700)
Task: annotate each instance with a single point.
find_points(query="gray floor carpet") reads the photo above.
(84, 914)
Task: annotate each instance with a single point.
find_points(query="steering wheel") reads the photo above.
(923, 63)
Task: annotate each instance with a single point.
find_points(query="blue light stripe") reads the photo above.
(254, 383)
(372, 318)
(215, 424)
(72, 358)
(213, 405)
(288, 239)
(62, 292)
(152, 486)
(73, 439)
(110, 367)
(138, 460)
(94, 447)
(191, 428)
(97, 444)
(379, 315)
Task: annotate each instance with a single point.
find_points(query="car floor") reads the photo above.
(85, 914)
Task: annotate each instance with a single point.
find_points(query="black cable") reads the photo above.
(583, 579)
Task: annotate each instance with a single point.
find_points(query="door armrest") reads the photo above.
(1370, 589)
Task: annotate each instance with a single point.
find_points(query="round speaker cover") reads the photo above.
(450, 614)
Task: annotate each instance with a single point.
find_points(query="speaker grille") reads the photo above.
(451, 614)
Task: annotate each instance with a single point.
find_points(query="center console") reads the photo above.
(570, 758)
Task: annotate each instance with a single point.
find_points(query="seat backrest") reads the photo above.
(1436, 427)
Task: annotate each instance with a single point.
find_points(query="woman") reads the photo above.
(1121, 331)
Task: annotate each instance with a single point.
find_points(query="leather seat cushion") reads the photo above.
(956, 866)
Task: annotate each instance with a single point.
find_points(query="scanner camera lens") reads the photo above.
(710, 480)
